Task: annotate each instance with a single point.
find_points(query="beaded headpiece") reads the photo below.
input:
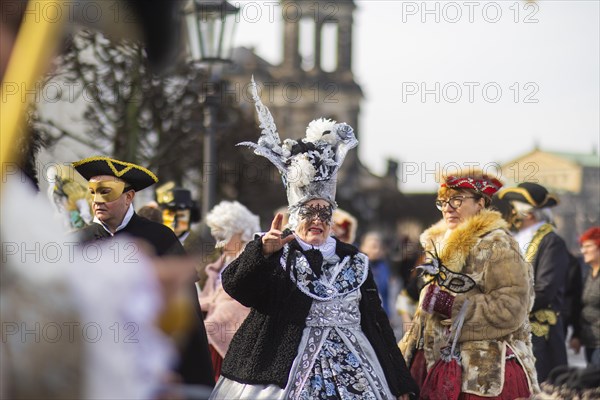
(483, 184)
(308, 166)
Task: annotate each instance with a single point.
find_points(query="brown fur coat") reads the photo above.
(499, 304)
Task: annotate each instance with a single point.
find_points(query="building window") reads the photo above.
(307, 43)
(329, 51)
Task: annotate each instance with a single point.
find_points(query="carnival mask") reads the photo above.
(310, 212)
(106, 191)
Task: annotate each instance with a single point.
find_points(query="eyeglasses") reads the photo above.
(453, 202)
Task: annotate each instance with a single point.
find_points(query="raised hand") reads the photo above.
(272, 240)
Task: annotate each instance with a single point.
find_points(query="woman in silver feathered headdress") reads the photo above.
(316, 328)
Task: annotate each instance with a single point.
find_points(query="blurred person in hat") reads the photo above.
(474, 307)
(113, 185)
(589, 333)
(179, 211)
(547, 252)
(316, 328)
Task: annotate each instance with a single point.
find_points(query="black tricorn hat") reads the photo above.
(176, 198)
(137, 177)
(179, 199)
(530, 193)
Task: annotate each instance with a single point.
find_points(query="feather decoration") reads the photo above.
(269, 143)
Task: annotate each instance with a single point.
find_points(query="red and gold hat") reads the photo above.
(482, 184)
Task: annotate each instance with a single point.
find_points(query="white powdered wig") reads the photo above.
(230, 217)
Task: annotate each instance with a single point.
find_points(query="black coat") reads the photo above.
(266, 344)
(160, 237)
(550, 266)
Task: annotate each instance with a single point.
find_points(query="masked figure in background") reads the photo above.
(70, 196)
(178, 208)
(232, 225)
(316, 328)
(474, 273)
(548, 254)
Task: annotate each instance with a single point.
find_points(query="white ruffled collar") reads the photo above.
(327, 248)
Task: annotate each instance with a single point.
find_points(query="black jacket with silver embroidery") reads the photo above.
(266, 344)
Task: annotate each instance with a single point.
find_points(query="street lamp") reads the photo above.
(210, 27)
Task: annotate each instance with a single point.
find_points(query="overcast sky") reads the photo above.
(463, 83)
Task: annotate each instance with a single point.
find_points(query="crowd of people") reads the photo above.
(294, 311)
(300, 312)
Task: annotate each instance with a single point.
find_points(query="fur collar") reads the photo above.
(456, 248)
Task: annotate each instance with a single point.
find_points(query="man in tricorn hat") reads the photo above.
(113, 184)
(548, 253)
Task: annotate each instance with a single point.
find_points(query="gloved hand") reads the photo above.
(437, 300)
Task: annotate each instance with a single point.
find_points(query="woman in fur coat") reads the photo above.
(474, 260)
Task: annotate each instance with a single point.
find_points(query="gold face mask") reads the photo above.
(177, 220)
(106, 191)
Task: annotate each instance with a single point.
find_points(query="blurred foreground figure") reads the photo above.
(78, 322)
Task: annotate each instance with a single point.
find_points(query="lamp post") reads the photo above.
(210, 27)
